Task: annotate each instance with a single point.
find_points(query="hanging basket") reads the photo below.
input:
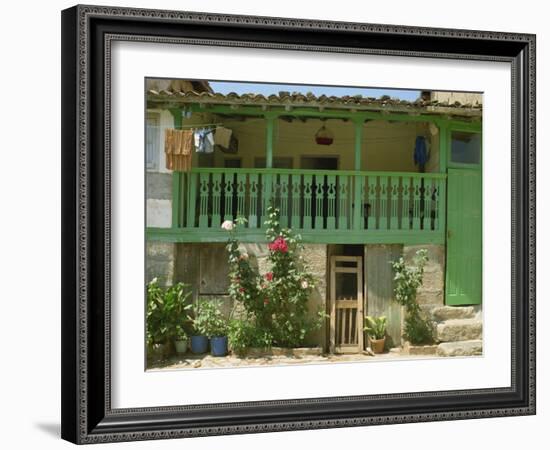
(324, 136)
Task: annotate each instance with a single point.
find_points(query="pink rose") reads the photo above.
(279, 245)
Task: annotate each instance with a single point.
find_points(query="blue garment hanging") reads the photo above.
(421, 155)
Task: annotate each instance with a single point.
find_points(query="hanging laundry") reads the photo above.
(233, 146)
(421, 154)
(177, 147)
(209, 141)
(222, 137)
(204, 140)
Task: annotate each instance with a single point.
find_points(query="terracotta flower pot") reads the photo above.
(377, 345)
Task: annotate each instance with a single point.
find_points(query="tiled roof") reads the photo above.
(296, 99)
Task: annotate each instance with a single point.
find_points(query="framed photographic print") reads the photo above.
(279, 224)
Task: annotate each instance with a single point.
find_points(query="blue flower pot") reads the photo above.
(199, 344)
(218, 345)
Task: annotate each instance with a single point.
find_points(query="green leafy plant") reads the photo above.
(167, 311)
(408, 278)
(277, 302)
(244, 334)
(209, 320)
(376, 326)
(182, 336)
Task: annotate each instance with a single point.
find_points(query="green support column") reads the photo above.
(270, 128)
(443, 146)
(268, 178)
(357, 197)
(176, 177)
(444, 138)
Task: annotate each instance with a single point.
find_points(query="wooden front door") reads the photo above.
(346, 302)
(463, 279)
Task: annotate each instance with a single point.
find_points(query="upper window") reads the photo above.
(465, 147)
(152, 144)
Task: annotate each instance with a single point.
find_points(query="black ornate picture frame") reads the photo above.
(87, 35)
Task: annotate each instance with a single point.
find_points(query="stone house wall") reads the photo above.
(160, 262)
(432, 291)
(205, 268)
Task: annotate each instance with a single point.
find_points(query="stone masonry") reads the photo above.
(432, 291)
(160, 262)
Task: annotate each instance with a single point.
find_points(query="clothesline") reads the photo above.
(200, 125)
(189, 127)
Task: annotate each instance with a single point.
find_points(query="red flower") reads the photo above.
(241, 289)
(279, 245)
(269, 276)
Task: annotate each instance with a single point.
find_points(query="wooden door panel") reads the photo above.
(464, 230)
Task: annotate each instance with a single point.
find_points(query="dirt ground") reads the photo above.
(206, 361)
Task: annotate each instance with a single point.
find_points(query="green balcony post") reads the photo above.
(444, 144)
(358, 191)
(267, 179)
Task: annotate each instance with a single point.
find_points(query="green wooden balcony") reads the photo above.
(334, 206)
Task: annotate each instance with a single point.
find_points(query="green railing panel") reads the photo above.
(331, 202)
(394, 202)
(283, 203)
(192, 199)
(308, 194)
(323, 202)
(216, 199)
(228, 196)
(416, 203)
(266, 195)
(295, 202)
(406, 203)
(383, 196)
(372, 209)
(204, 181)
(240, 188)
(319, 200)
(343, 202)
(253, 180)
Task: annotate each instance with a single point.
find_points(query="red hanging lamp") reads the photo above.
(324, 136)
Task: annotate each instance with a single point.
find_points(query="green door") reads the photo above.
(463, 278)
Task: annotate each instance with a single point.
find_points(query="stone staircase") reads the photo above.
(458, 330)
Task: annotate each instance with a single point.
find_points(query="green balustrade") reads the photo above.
(322, 204)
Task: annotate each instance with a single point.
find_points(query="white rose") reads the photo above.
(227, 225)
(305, 284)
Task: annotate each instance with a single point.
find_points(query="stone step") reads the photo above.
(460, 348)
(459, 330)
(442, 313)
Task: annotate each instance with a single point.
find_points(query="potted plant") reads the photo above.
(376, 331)
(209, 322)
(199, 338)
(156, 321)
(181, 341)
(166, 315)
(217, 329)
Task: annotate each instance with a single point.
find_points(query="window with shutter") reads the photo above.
(152, 141)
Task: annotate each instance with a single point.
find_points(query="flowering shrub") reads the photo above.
(279, 245)
(275, 303)
(408, 278)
